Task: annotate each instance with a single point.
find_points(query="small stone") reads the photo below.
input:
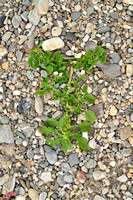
(75, 15)
(90, 45)
(125, 132)
(4, 179)
(117, 40)
(46, 177)
(44, 74)
(92, 143)
(98, 197)
(70, 36)
(56, 31)
(90, 10)
(101, 165)
(73, 160)
(98, 110)
(3, 51)
(33, 16)
(112, 164)
(116, 122)
(33, 194)
(89, 28)
(6, 36)
(57, 115)
(4, 163)
(122, 178)
(38, 105)
(91, 164)
(113, 111)
(2, 19)
(130, 140)
(16, 21)
(65, 167)
(115, 15)
(81, 176)
(9, 185)
(51, 157)
(43, 196)
(111, 70)
(129, 70)
(22, 38)
(115, 57)
(60, 180)
(103, 29)
(5, 65)
(24, 16)
(19, 55)
(43, 29)
(126, 152)
(128, 2)
(6, 135)
(99, 175)
(89, 90)
(68, 178)
(4, 120)
(53, 44)
(42, 6)
(16, 92)
(20, 197)
(30, 154)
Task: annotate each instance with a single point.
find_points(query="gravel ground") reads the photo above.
(32, 169)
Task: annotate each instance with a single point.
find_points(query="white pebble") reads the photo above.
(16, 92)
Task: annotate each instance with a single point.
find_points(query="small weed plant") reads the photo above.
(71, 96)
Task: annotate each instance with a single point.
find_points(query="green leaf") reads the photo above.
(52, 142)
(90, 69)
(57, 92)
(43, 84)
(51, 122)
(90, 98)
(45, 130)
(62, 122)
(78, 108)
(66, 144)
(84, 89)
(90, 115)
(56, 55)
(40, 44)
(102, 60)
(83, 144)
(41, 92)
(99, 51)
(89, 54)
(33, 62)
(76, 135)
(85, 126)
(81, 78)
(49, 69)
(58, 134)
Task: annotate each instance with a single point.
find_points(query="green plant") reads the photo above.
(71, 97)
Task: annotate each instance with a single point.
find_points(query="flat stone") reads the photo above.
(38, 105)
(3, 51)
(70, 36)
(126, 152)
(103, 29)
(90, 10)
(114, 15)
(122, 178)
(5, 65)
(4, 120)
(16, 21)
(56, 31)
(91, 164)
(24, 15)
(68, 178)
(53, 44)
(33, 16)
(43, 29)
(115, 57)
(26, 130)
(99, 175)
(2, 19)
(42, 6)
(113, 111)
(129, 70)
(60, 180)
(24, 106)
(90, 28)
(30, 154)
(4, 179)
(8, 149)
(44, 74)
(98, 197)
(4, 162)
(90, 45)
(57, 114)
(6, 136)
(46, 177)
(43, 196)
(128, 2)
(73, 160)
(75, 15)
(22, 39)
(33, 194)
(111, 70)
(51, 157)
(125, 132)
(6, 36)
(20, 197)
(98, 110)
(19, 55)
(9, 185)
(65, 167)
(131, 117)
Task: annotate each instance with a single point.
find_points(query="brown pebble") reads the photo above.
(5, 65)
(125, 132)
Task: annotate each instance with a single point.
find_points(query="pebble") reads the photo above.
(115, 57)
(57, 115)
(46, 177)
(53, 44)
(20, 197)
(113, 111)
(5, 65)
(98, 110)
(2, 19)
(7, 137)
(9, 185)
(4, 120)
(90, 28)
(3, 51)
(99, 175)
(122, 178)
(90, 10)
(43, 196)
(43, 29)
(16, 92)
(125, 132)
(73, 160)
(115, 15)
(103, 29)
(33, 17)
(81, 176)
(16, 21)
(129, 70)
(70, 37)
(98, 197)
(33, 194)
(19, 55)
(56, 31)
(92, 143)
(68, 178)
(51, 157)
(42, 6)
(38, 105)
(4, 179)
(90, 45)
(75, 15)
(6, 36)
(111, 70)
(60, 180)
(128, 2)
(91, 164)
(131, 117)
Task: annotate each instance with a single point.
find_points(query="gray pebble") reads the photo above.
(30, 153)
(114, 15)
(65, 167)
(90, 10)
(6, 36)
(68, 178)
(4, 120)
(91, 164)
(60, 180)
(57, 115)
(131, 117)
(51, 157)
(73, 159)
(44, 74)
(75, 15)
(91, 46)
(103, 29)
(70, 36)
(98, 197)
(24, 16)
(98, 110)
(33, 16)
(115, 57)
(19, 55)
(43, 196)
(16, 21)
(7, 137)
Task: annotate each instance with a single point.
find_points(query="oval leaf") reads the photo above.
(46, 131)
(85, 126)
(83, 144)
(52, 142)
(90, 115)
(51, 122)
(62, 122)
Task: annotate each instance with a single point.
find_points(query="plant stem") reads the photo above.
(71, 74)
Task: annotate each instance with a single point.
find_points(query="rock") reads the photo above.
(91, 164)
(42, 6)
(101, 165)
(98, 197)
(19, 55)
(56, 31)
(122, 178)
(24, 16)
(6, 135)
(92, 143)
(81, 176)
(3, 51)
(53, 44)
(65, 167)
(115, 15)
(57, 115)
(98, 110)
(90, 10)
(33, 194)
(44, 74)
(126, 152)
(16, 21)
(103, 29)
(113, 111)
(2, 19)
(20, 197)
(51, 157)
(99, 175)
(68, 178)
(125, 132)
(38, 105)
(115, 57)
(6, 36)
(73, 160)
(60, 180)
(26, 130)
(5, 65)
(24, 106)
(8, 149)
(117, 40)
(4, 179)
(43, 29)
(30, 154)
(111, 70)
(31, 40)
(22, 38)
(91, 46)
(75, 15)
(89, 28)
(70, 36)
(33, 16)
(129, 70)
(9, 185)
(16, 92)
(43, 196)
(112, 2)
(4, 163)
(4, 120)
(46, 177)
(128, 2)
(131, 117)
